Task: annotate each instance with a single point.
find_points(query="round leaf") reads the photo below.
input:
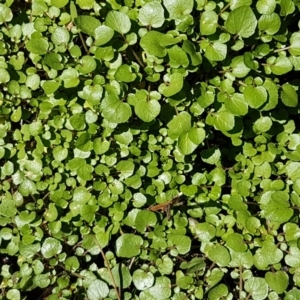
(152, 14)
(241, 21)
(60, 36)
(236, 242)
(97, 290)
(51, 247)
(208, 22)
(142, 280)
(114, 110)
(103, 34)
(255, 96)
(289, 96)
(257, 287)
(224, 121)
(219, 254)
(277, 281)
(118, 21)
(147, 110)
(178, 8)
(128, 245)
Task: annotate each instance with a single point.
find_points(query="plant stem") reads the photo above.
(109, 269)
(137, 58)
(241, 283)
(83, 43)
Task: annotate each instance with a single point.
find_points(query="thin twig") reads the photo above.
(83, 43)
(137, 58)
(241, 283)
(109, 269)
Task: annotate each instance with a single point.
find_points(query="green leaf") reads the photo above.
(177, 57)
(277, 209)
(4, 76)
(60, 36)
(249, 61)
(85, 172)
(16, 115)
(277, 281)
(114, 110)
(152, 14)
(205, 231)
(103, 34)
(124, 73)
(292, 259)
(155, 43)
(13, 294)
(219, 255)
(236, 242)
(87, 24)
(189, 141)
(287, 7)
(211, 156)
(281, 66)
(60, 153)
(218, 292)
(92, 94)
(88, 211)
(178, 8)
(269, 23)
(241, 21)
(179, 124)
(255, 96)
(27, 187)
(37, 46)
(292, 170)
(147, 110)
(239, 68)
(70, 78)
(128, 245)
(263, 124)
(87, 64)
(216, 51)
(181, 242)
(97, 290)
(78, 121)
(51, 247)
(7, 208)
(59, 3)
(6, 14)
(257, 287)
(224, 121)
(85, 4)
(294, 48)
(266, 6)
(142, 280)
(53, 60)
(190, 49)
(144, 219)
(161, 289)
(208, 22)
(72, 264)
(118, 22)
(125, 167)
(288, 95)
(236, 104)
(174, 85)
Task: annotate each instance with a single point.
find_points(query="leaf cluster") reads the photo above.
(149, 149)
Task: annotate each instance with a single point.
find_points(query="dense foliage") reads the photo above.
(149, 149)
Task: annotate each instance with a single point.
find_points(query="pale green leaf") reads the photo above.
(241, 21)
(152, 14)
(118, 21)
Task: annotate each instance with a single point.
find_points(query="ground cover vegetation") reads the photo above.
(149, 149)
